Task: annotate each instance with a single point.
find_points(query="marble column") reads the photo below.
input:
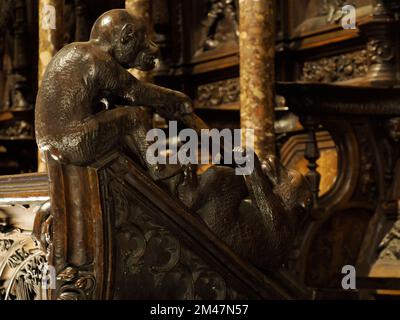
(51, 33)
(257, 76)
(51, 36)
(142, 9)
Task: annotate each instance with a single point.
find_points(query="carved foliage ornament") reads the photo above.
(337, 68)
(22, 267)
(153, 257)
(218, 93)
(75, 284)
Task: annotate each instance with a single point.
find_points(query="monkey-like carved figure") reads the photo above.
(83, 76)
(256, 216)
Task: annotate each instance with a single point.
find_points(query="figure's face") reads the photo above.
(291, 186)
(135, 50)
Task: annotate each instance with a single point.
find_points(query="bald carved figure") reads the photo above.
(78, 121)
(75, 119)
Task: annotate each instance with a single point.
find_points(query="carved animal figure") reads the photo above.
(85, 77)
(257, 215)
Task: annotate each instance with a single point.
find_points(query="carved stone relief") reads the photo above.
(337, 68)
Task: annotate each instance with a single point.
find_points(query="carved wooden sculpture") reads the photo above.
(83, 75)
(79, 121)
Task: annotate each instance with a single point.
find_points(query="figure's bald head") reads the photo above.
(127, 38)
(109, 25)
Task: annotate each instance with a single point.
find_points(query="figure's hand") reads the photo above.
(184, 105)
(177, 107)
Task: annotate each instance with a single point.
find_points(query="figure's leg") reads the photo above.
(84, 143)
(136, 142)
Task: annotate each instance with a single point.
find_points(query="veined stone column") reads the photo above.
(50, 31)
(142, 9)
(50, 41)
(257, 74)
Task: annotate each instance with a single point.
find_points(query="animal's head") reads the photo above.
(126, 38)
(290, 185)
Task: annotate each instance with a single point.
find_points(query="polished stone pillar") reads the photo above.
(51, 35)
(51, 31)
(257, 76)
(142, 9)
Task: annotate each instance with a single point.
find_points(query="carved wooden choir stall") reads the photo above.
(101, 222)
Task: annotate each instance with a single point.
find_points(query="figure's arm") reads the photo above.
(168, 103)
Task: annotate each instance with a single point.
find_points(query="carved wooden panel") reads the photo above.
(355, 223)
(336, 243)
(153, 260)
(128, 239)
(157, 246)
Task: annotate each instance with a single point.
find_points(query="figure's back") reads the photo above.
(66, 91)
